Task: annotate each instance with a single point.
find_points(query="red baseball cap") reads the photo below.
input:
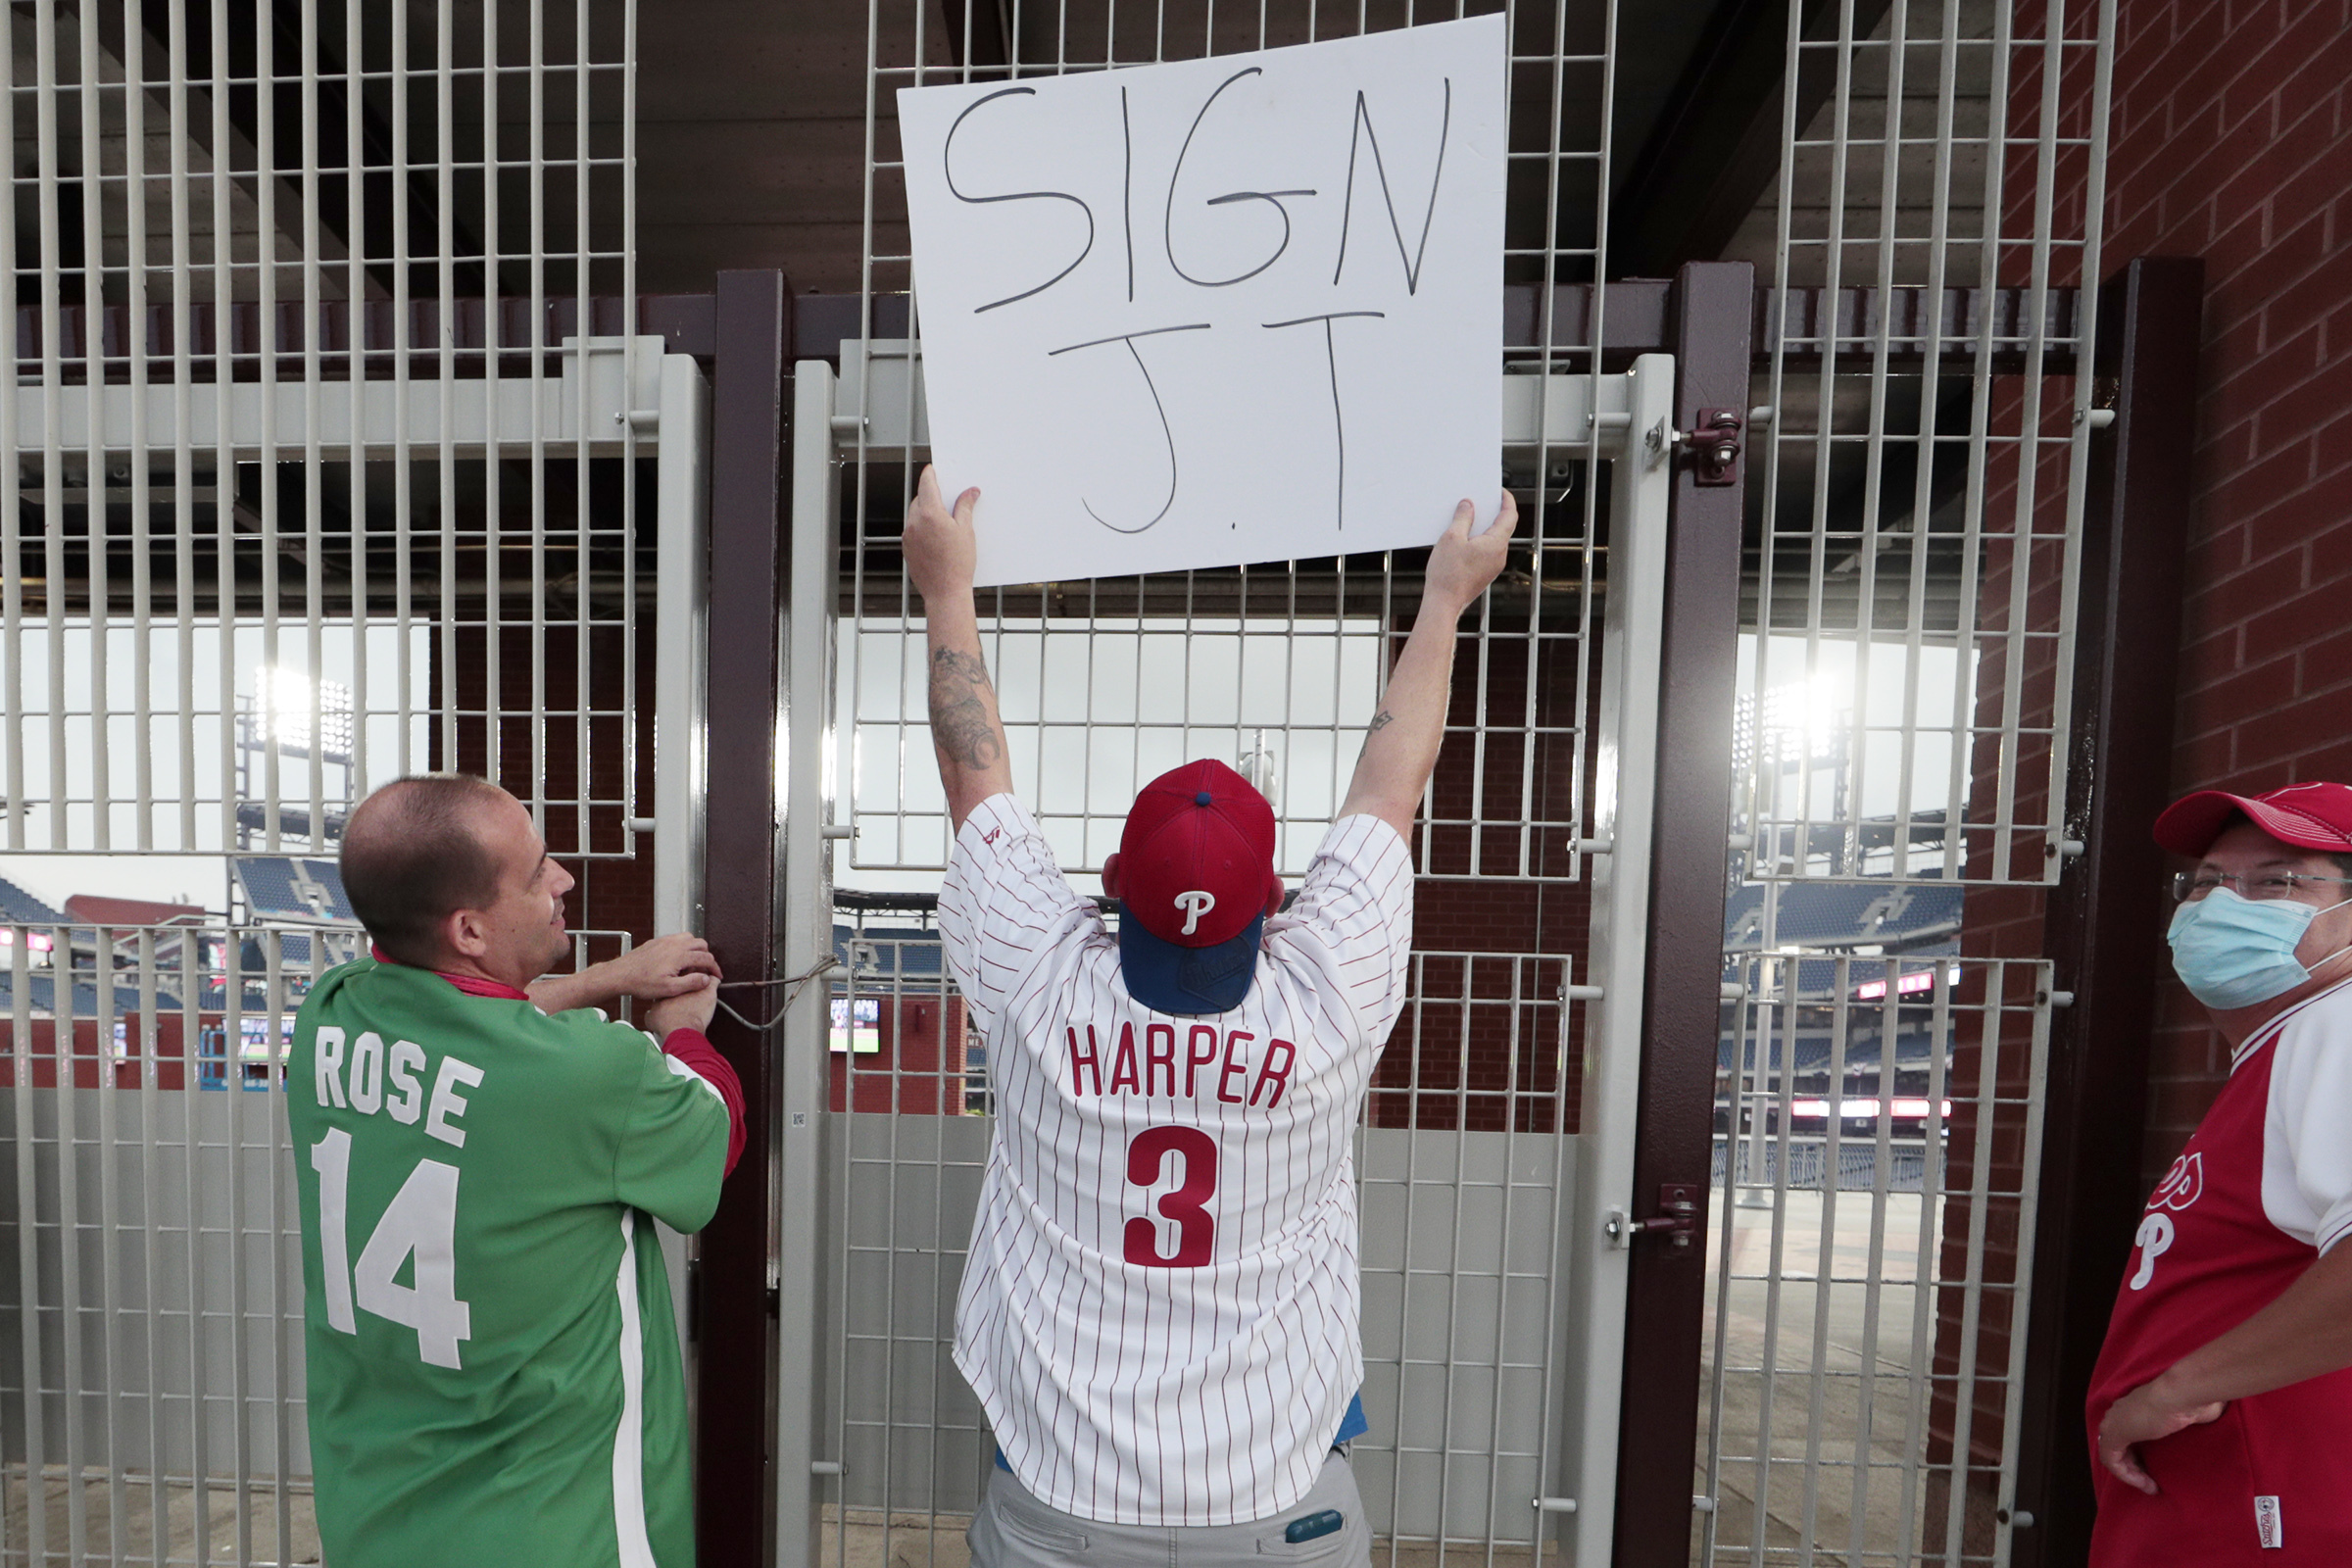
(1197, 879)
(2310, 816)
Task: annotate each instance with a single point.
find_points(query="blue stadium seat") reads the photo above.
(330, 878)
(269, 882)
(17, 907)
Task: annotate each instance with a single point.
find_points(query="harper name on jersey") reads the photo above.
(1159, 1312)
(1234, 1059)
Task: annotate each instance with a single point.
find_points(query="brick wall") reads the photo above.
(1479, 1045)
(2233, 140)
(612, 893)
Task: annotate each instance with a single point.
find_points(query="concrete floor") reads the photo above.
(1798, 1457)
(136, 1541)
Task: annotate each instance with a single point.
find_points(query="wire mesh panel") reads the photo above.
(1466, 1173)
(1922, 417)
(323, 320)
(337, 454)
(1870, 1267)
(1464, 1161)
(151, 1364)
(1461, 1305)
(1935, 256)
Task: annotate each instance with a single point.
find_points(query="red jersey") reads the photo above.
(2262, 1190)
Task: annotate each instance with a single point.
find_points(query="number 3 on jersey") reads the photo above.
(421, 1219)
(1187, 1205)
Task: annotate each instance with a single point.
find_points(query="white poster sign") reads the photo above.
(1231, 310)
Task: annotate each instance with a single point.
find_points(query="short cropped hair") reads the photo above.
(411, 858)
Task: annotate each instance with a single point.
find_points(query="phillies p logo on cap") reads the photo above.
(1197, 863)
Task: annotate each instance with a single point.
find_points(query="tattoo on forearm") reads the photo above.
(963, 727)
(1380, 721)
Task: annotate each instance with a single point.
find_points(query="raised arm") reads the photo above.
(967, 735)
(1400, 748)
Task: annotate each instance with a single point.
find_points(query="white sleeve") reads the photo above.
(1003, 905)
(1354, 911)
(2307, 1137)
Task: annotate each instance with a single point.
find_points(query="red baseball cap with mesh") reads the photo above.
(2309, 816)
(1196, 879)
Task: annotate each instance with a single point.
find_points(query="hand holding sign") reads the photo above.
(1228, 309)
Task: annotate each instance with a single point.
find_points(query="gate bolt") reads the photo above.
(1715, 445)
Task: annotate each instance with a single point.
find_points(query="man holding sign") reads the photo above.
(1159, 1311)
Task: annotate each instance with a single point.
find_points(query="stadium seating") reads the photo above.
(19, 907)
(280, 887)
(1836, 915)
(269, 890)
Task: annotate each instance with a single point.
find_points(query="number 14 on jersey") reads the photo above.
(420, 1222)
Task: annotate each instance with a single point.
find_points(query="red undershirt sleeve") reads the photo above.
(693, 1048)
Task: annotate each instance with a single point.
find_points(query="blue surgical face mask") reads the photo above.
(2234, 952)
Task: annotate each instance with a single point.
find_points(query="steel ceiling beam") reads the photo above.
(1716, 149)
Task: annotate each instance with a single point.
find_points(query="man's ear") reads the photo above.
(466, 933)
(1274, 897)
(1110, 874)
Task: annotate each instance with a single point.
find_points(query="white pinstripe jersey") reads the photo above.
(1161, 1309)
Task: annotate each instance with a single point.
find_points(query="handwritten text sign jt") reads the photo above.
(1233, 309)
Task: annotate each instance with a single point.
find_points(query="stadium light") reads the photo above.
(283, 709)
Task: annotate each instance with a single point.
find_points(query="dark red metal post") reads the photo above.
(1682, 1014)
(2104, 929)
(734, 1415)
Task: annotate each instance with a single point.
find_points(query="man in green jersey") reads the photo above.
(493, 1365)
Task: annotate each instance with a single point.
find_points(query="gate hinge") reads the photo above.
(1714, 446)
(1677, 1219)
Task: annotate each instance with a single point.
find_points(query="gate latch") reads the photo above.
(1677, 1218)
(1715, 445)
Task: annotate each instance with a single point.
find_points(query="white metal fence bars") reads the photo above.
(1106, 682)
(1907, 663)
(1493, 1334)
(151, 1336)
(325, 408)
(1869, 1269)
(1935, 252)
(335, 455)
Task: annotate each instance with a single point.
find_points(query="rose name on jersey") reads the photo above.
(385, 1079)
(1231, 1063)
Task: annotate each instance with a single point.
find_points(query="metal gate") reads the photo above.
(338, 453)
(1925, 406)
(1494, 1157)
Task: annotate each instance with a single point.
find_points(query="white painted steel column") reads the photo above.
(681, 662)
(1624, 779)
(802, 1059)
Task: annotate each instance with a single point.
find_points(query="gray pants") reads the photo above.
(1014, 1530)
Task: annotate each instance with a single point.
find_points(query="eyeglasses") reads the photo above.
(2190, 886)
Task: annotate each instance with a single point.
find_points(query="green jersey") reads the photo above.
(493, 1364)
